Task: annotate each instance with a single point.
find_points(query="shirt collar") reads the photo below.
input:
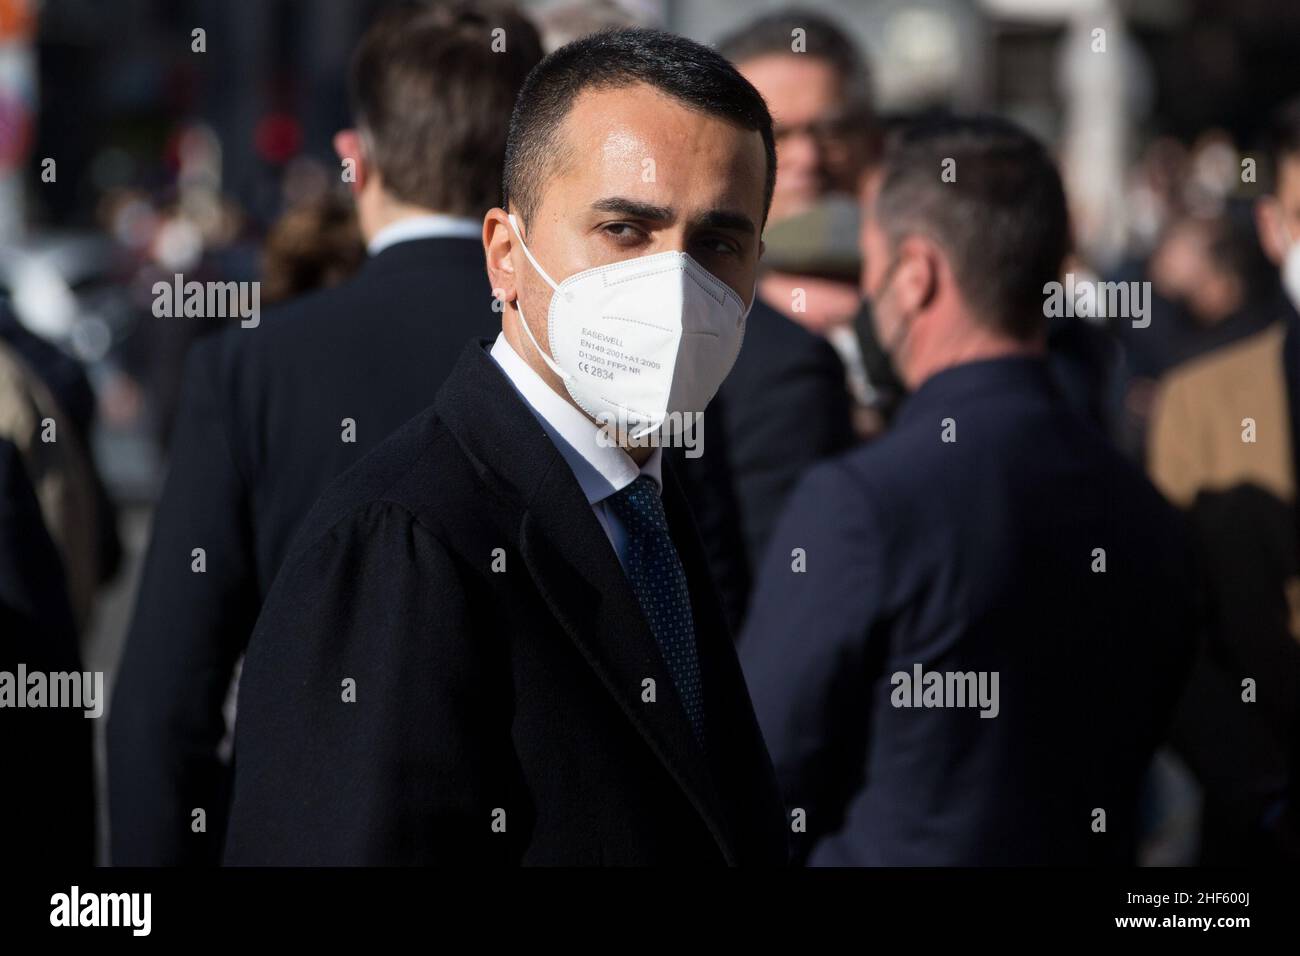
(426, 226)
(600, 469)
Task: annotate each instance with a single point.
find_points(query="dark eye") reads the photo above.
(623, 232)
(718, 245)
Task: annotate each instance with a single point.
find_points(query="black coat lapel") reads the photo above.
(576, 571)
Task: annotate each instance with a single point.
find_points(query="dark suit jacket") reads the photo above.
(974, 555)
(511, 693)
(47, 802)
(258, 436)
(785, 406)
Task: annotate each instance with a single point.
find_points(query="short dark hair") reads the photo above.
(433, 98)
(683, 69)
(773, 33)
(1002, 219)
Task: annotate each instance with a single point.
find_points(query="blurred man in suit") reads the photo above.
(786, 403)
(967, 636)
(497, 640)
(271, 414)
(785, 407)
(1224, 445)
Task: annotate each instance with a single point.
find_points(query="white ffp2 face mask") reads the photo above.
(636, 340)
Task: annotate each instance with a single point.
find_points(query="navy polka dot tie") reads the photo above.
(659, 582)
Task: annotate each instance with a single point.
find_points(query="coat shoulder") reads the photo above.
(418, 470)
(282, 337)
(1243, 364)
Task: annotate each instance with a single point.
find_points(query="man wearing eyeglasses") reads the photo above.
(816, 85)
(785, 405)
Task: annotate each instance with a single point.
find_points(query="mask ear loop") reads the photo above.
(753, 297)
(514, 224)
(550, 362)
(905, 327)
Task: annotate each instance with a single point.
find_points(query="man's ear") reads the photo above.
(498, 244)
(917, 281)
(355, 172)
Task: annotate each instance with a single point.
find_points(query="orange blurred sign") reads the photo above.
(17, 20)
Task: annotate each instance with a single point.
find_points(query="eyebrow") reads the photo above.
(638, 210)
(726, 219)
(714, 218)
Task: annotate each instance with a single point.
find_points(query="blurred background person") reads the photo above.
(315, 245)
(61, 472)
(562, 21)
(818, 86)
(1211, 286)
(1225, 437)
(786, 403)
(269, 415)
(816, 81)
(990, 535)
(69, 390)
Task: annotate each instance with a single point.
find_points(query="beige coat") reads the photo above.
(1222, 421)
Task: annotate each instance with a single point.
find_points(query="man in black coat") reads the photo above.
(270, 414)
(969, 636)
(497, 640)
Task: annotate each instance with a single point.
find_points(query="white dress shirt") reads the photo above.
(431, 226)
(601, 470)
